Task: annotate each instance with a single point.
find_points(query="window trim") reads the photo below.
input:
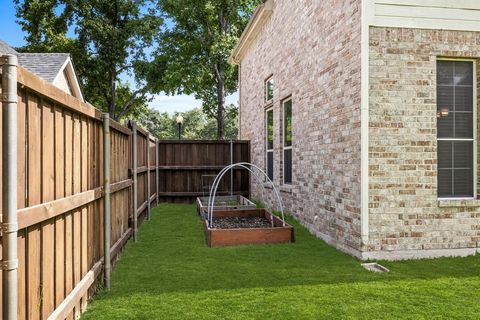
(285, 100)
(474, 124)
(267, 110)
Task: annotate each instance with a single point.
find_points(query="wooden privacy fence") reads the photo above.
(76, 185)
(187, 168)
(61, 193)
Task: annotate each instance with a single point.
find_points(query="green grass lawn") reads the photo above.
(171, 274)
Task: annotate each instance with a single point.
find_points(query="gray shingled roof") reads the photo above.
(45, 65)
(6, 49)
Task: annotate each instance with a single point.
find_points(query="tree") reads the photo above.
(193, 53)
(111, 38)
(196, 125)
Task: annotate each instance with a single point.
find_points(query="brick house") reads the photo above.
(364, 113)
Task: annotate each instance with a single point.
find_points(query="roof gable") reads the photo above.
(46, 65)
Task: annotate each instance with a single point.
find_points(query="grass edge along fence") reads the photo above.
(65, 219)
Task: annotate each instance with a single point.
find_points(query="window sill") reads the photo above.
(456, 203)
(286, 188)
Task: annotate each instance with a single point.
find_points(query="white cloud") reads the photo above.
(181, 103)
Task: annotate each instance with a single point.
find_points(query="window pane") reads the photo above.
(269, 129)
(445, 72)
(445, 98)
(445, 154)
(463, 73)
(463, 182)
(287, 125)
(287, 166)
(463, 98)
(270, 164)
(445, 187)
(463, 154)
(463, 125)
(445, 126)
(269, 90)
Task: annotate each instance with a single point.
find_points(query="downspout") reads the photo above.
(364, 125)
(9, 192)
(106, 200)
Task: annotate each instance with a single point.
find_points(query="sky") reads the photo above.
(12, 33)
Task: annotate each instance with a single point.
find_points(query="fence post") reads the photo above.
(9, 192)
(156, 169)
(134, 174)
(231, 170)
(148, 177)
(106, 198)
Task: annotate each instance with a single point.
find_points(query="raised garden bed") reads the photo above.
(246, 226)
(224, 203)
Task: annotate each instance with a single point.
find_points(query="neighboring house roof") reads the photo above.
(56, 68)
(6, 49)
(45, 65)
(259, 17)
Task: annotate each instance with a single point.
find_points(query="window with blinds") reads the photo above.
(455, 128)
(269, 143)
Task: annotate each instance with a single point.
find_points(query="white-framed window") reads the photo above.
(456, 128)
(269, 142)
(287, 140)
(269, 89)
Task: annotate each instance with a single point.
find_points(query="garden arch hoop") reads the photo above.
(218, 178)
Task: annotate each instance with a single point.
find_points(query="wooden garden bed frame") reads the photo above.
(243, 203)
(280, 233)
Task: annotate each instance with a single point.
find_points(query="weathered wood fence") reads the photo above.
(187, 168)
(62, 193)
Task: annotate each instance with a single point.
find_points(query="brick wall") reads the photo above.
(404, 213)
(312, 48)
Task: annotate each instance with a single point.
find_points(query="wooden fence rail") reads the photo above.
(60, 192)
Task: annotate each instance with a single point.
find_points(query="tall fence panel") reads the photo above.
(187, 168)
(61, 191)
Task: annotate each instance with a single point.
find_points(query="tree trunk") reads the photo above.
(222, 24)
(113, 90)
(221, 112)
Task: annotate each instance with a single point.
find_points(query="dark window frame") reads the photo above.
(268, 149)
(444, 141)
(285, 147)
(267, 93)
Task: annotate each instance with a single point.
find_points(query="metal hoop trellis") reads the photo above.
(248, 166)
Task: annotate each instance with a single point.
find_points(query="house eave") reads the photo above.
(258, 20)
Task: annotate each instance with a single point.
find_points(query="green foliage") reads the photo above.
(170, 273)
(196, 125)
(193, 54)
(111, 38)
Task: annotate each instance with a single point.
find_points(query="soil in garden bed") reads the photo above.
(241, 222)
